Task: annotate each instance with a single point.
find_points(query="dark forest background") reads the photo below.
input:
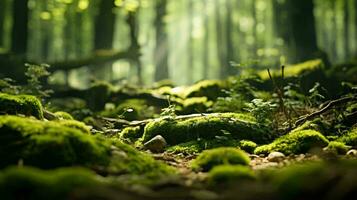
(143, 41)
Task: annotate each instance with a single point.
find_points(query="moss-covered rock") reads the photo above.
(337, 148)
(194, 105)
(20, 104)
(197, 146)
(230, 174)
(131, 133)
(63, 115)
(236, 126)
(248, 146)
(30, 183)
(295, 142)
(75, 124)
(220, 156)
(350, 138)
(50, 144)
(212, 89)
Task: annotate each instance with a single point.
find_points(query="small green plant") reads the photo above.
(170, 111)
(34, 75)
(262, 110)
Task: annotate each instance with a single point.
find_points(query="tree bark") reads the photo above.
(20, 27)
(134, 43)
(161, 48)
(221, 51)
(190, 46)
(206, 50)
(229, 39)
(3, 4)
(346, 22)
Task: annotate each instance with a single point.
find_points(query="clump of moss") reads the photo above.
(75, 124)
(132, 109)
(296, 142)
(337, 148)
(195, 105)
(50, 145)
(350, 138)
(197, 146)
(63, 115)
(131, 133)
(248, 146)
(30, 183)
(212, 89)
(230, 174)
(220, 156)
(20, 104)
(236, 126)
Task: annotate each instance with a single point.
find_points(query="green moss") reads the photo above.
(220, 156)
(131, 133)
(230, 174)
(131, 109)
(350, 138)
(295, 142)
(197, 146)
(248, 146)
(212, 89)
(75, 124)
(49, 145)
(30, 183)
(195, 105)
(20, 104)
(236, 126)
(63, 115)
(337, 148)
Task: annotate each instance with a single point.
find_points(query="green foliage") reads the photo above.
(230, 174)
(236, 126)
(220, 156)
(295, 142)
(350, 138)
(34, 75)
(31, 183)
(131, 133)
(20, 104)
(261, 110)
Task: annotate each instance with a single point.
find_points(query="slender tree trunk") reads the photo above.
(134, 42)
(254, 31)
(20, 27)
(333, 32)
(3, 8)
(190, 59)
(221, 51)
(104, 34)
(161, 48)
(229, 38)
(346, 20)
(206, 41)
(303, 29)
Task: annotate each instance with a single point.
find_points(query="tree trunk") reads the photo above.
(303, 29)
(229, 40)
(221, 51)
(3, 4)
(254, 31)
(333, 32)
(346, 22)
(104, 34)
(20, 27)
(161, 48)
(190, 46)
(206, 50)
(134, 43)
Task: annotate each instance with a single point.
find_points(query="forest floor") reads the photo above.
(259, 135)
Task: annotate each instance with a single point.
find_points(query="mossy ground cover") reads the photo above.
(20, 104)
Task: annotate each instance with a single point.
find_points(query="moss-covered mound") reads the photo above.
(194, 105)
(296, 142)
(75, 124)
(350, 138)
(63, 115)
(50, 144)
(230, 174)
(220, 156)
(30, 183)
(20, 104)
(337, 148)
(212, 89)
(236, 126)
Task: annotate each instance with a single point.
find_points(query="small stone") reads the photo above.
(352, 153)
(156, 144)
(276, 157)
